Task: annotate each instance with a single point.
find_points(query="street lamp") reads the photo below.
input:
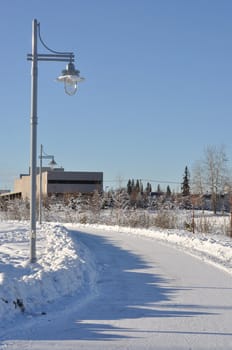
(52, 163)
(70, 77)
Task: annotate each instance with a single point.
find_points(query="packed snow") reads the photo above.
(65, 267)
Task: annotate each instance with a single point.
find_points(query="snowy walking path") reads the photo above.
(147, 296)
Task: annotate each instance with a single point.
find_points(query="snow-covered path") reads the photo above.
(148, 296)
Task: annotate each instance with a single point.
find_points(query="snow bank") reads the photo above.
(59, 270)
(215, 249)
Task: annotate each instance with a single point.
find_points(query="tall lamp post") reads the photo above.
(52, 163)
(70, 76)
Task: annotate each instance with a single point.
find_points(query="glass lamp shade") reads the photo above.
(52, 163)
(70, 77)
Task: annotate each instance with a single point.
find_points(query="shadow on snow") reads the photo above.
(127, 289)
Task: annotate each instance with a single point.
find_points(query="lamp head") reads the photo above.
(52, 163)
(70, 76)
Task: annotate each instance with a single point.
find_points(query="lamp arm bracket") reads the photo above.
(46, 47)
(46, 157)
(51, 58)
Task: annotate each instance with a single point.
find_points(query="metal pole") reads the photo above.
(40, 184)
(33, 121)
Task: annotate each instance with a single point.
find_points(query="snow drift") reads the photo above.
(59, 271)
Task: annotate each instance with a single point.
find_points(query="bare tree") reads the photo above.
(198, 178)
(95, 203)
(216, 172)
(197, 184)
(211, 174)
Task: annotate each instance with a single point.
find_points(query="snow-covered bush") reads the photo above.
(15, 209)
(92, 210)
(166, 219)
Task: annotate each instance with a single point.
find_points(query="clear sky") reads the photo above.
(158, 86)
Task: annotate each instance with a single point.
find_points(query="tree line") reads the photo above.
(209, 186)
(211, 180)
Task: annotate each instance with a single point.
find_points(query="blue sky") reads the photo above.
(157, 92)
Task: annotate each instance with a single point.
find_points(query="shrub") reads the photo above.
(166, 219)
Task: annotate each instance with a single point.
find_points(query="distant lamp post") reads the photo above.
(52, 164)
(70, 77)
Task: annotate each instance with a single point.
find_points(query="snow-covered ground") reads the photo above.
(61, 269)
(214, 248)
(65, 267)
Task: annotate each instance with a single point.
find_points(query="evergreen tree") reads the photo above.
(141, 187)
(129, 187)
(132, 184)
(185, 186)
(148, 189)
(168, 191)
(137, 186)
